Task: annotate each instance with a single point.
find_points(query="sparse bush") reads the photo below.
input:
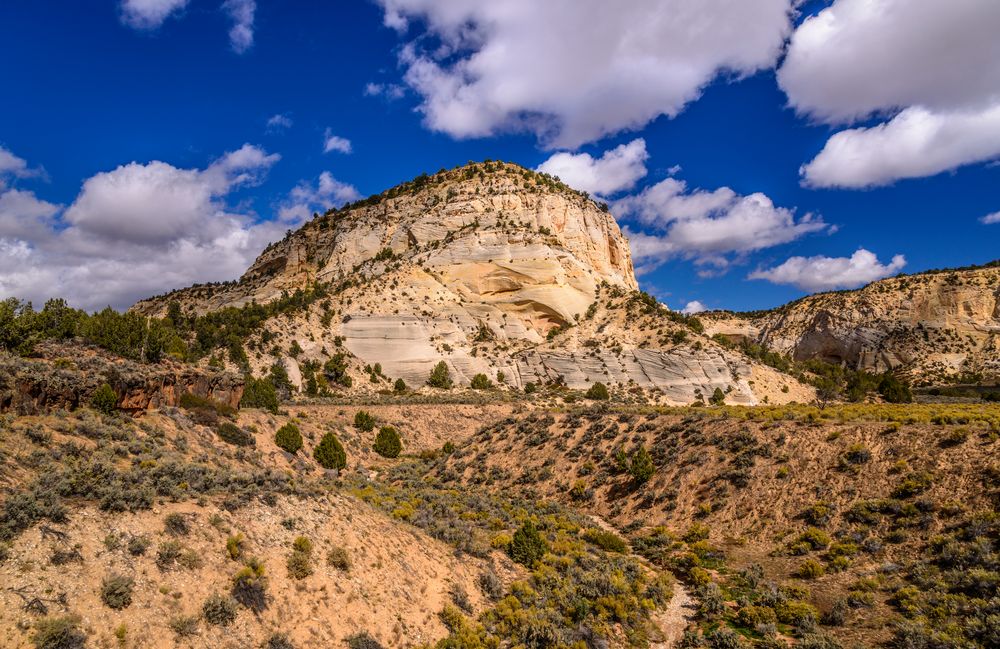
(116, 591)
(440, 377)
(387, 442)
(362, 640)
(137, 545)
(491, 585)
(184, 626)
(234, 546)
(608, 541)
(530, 388)
(364, 420)
(810, 569)
(527, 545)
(250, 585)
(177, 524)
(338, 558)
(481, 382)
(232, 434)
(718, 397)
(399, 386)
(299, 565)
(219, 610)
(278, 641)
(330, 453)
(598, 392)
(288, 438)
(167, 554)
(61, 632)
(104, 399)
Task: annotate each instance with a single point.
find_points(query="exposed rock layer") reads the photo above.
(941, 325)
(480, 267)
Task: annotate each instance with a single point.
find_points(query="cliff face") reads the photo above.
(480, 267)
(930, 327)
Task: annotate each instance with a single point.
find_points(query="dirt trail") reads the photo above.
(679, 611)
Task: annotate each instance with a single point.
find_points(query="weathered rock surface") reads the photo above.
(477, 267)
(941, 325)
(66, 375)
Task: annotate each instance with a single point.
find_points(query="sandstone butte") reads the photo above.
(496, 269)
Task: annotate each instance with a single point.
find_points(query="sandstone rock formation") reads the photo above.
(478, 266)
(931, 327)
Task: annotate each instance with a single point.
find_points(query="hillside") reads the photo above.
(492, 268)
(859, 522)
(935, 327)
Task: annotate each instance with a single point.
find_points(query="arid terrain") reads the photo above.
(445, 416)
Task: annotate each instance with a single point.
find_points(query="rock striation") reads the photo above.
(938, 326)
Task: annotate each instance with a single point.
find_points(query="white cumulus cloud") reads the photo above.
(149, 14)
(708, 226)
(827, 273)
(333, 142)
(991, 219)
(241, 12)
(692, 307)
(927, 67)
(573, 71)
(616, 170)
(307, 198)
(134, 231)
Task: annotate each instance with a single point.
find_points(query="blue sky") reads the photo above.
(900, 151)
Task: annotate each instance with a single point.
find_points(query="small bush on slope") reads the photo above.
(288, 438)
(387, 442)
(330, 453)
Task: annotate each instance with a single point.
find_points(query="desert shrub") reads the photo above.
(810, 569)
(641, 466)
(527, 545)
(338, 558)
(219, 610)
(440, 377)
(232, 434)
(168, 554)
(491, 585)
(608, 541)
(399, 386)
(598, 392)
(177, 524)
(815, 538)
(299, 565)
(184, 626)
(913, 484)
(387, 442)
(137, 545)
(104, 399)
(460, 598)
(818, 641)
(61, 632)
(116, 591)
(530, 388)
(718, 397)
(362, 640)
(364, 420)
(278, 641)
(750, 616)
(330, 453)
(250, 585)
(481, 382)
(288, 438)
(724, 638)
(234, 546)
(259, 393)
